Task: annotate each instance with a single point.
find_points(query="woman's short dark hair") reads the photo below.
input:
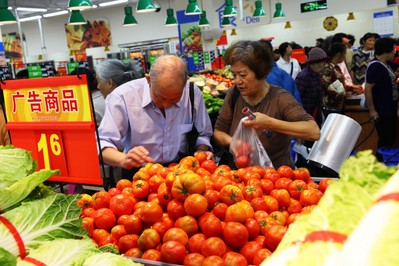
(384, 45)
(283, 48)
(336, 48)
(254, 54)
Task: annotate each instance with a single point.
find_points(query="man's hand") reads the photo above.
(135, 157)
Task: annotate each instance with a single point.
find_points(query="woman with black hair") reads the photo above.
(286, 62)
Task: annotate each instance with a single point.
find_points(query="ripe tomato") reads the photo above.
(260, 256)
(310, 197)
(127, 242)
(200, 156)
(259, 204)
(149, 239)
(140, 189)
(294, 207)
(133, 224)
(188, 224)
(121, 204)
(302, 173)
(243, 161)
(155, 181)
(152, 254)
(249, 250)
(271, 203)
(282, 183)
(220, 210)
(202, 172)
(104, 218)
(163, 172)
(99, 234)
(193, 259)
(100, 200)
(175, 209)
(108, 240)
(243, 148)
(134, 253)
(176, 234)
(285, 171)
(88, 212)
(251, 191)
(273, 235)
(186, 184)
(230, 194)
(248, 175)
(150, 213)
(196, 242)
(141, 175)
(212, 196)
(296, 187)
(118, 231)
(114, 191)
(239, 212)
(282, 196)
(235, 234)
(164, 195)
(213, 246)
(122, 183)
(161, 228)
(214, 261)
(88, 224)
(84, 201)
(324, 183)
(221, 181)
(234, 258)
(195, 205)
(293, 217)
(211, 226)
(154, 169)
(253, 228)
(190, 162)
(266, 185)
(279, 217)
(209, 165)
(173, 252)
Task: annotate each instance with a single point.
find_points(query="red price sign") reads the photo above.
(50, 149)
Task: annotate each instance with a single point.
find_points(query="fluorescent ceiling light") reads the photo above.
(31, 9)
(113, 3)
(58, 13)
(29, 18)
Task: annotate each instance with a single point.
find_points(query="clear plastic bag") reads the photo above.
(247, 149)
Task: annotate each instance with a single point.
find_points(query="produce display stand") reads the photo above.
(53, 118)
(153, 263)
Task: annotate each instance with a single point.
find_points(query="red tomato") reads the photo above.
(187, 184)
(213, 246)
(282, 183)
(243, 161)
(200, 156)
(195, 243)
(214, 261)
(175, 209)
(104, 218)
(273, 235)
(150, 213)
(279, 217)
(212, 226)
(249, 250)
(118, 231)
(122, 183)
(190, 162)
(134, 253)
(285, 171)
(251, 191)
(173, 252)
(310, 197)
(259, 204)
(293, 217)
(272, 176)
(209, 165)
(222, 181)
(154, 169)
(244, 149)
(99, 234)
(164, 194)
(141, 175)
(188, 224)
(220, 210)
(195, 205)
(260, 256)
(302, 174)
(100, 200)
(253, 228)
(193, 259)
(140, 189)
(108, 240)
(121, 204)
(296, 187)
(88, 224)
(152, 254)
(163, 172)
(127, 242)
(282, 196)
(249, 175)
(202, 172)
(234, 258)
(230, 194)
(260, 239)
(114, 191)
(161, 228)
(212, 196)
(272, 203)
(84, 201)
(133, 224)
(266, 185)
(88, 212)
(149, 239)
(294, 207)
(324, 183)
(239, 212)
(154, 182)
(176, 234)
(235, 234)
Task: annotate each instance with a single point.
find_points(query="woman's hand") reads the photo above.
(135, 157)
(261, 121)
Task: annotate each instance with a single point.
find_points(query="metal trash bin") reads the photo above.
(338, 136)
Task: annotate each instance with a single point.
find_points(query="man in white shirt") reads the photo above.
(288, 64)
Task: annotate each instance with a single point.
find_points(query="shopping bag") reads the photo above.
(247, 149)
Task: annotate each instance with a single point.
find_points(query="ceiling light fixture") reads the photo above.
(233, 32)
(58, 13)
(279, 11)
(79, 4)
(31, 9)
(129, 20)
(259, 11)
(29, 18)
(351, 16)
(170, 19)
(203, 22)
(116, 2)
(287, 25)
(229, 9)
(226, 22)
(76, 18)
(144, 6)
(193, 8)
(6, 16)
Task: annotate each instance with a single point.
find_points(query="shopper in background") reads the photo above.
(286, 62)
(275, 108)
(149, 118)
(97, 97)
(22, 74)
(112, 73)
(381, 91)
(308, 82)
(361, 58)
(279, 77)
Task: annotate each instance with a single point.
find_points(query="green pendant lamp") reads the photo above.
(229, 9)
(79, 4)
(226, 22)
(76, 18)
(193, 8)
(259, 11)
(203, 22)
(129, 19)
(279, 11)
(170, 19)
(6, 16)
(145, 6)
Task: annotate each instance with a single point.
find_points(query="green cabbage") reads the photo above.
(109, 259)
(15, 163)
(6, 258)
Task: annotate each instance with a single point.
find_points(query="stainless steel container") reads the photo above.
(339, 134)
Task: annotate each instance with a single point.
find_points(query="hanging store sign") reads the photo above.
(313, 6)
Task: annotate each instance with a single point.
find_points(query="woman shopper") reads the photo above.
(286, 62)
(361, 58)
(275, 108)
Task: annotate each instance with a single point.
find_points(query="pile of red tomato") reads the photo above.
(197, 213)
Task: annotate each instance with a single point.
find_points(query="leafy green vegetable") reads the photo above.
(109, 259)
(46, 219)
(19, 190)
(6, 258)
(109, 248)
(62, 252)
(15, 163)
